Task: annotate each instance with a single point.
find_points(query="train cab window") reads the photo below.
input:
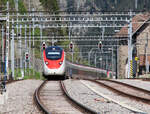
(53, 54)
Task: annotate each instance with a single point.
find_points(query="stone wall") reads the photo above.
(142, 40)
(123, 55)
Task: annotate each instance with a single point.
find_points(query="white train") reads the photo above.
(54, 62)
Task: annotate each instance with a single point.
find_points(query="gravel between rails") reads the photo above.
(126, 89)
(137, 83)
(54, 100)
(127, 101)
(89, 98)
(20, 98)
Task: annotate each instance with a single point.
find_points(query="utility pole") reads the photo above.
(136, 1)
(69, 32)
(29, 48)
(33, 44)
(115, 1)
(12, 51)
(25, 47)
(147, 62)
(53, 39)
(103, 32)
(72, 56)
(117, 61)
(106, 62)
(20, 46)
(16, 5)
(95, 59)
(89, 59)
(130, 47)
(2, 48)
(7, 43)
(41, 33)
(29, 5)
(112, 59)
(17, 60)
(102, 62)
(17, 15)
(41, 29)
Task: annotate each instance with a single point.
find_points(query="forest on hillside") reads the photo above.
(112, 5)
(123, 5)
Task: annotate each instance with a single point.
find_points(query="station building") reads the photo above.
(141, 46)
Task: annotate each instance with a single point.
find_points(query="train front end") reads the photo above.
(54, 61)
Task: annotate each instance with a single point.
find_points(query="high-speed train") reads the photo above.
(54, 61)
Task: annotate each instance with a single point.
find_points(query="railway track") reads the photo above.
(51, 98)
(146, 79)
(143, 79)
(126, 90)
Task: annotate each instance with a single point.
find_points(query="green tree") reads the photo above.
(50, 5)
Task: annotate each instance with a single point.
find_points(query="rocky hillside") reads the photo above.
(105, 5)
(99, 5)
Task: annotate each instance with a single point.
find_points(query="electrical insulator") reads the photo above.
(43, 45)
(100, 45)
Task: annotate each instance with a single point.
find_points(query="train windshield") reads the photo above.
(53, 53)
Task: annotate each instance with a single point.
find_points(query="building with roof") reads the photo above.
(141, 45)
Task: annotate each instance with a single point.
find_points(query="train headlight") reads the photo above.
(46, 62)
(60, 62)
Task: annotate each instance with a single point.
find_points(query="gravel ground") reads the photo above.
(137, 83)
(20, 98)
(87, 97)
(126, 89)
(129, 102)
(53, 98)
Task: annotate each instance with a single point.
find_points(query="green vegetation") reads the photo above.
(21, 7)
(28, 74)
(122, 5)
(4, 2)
(50, 5)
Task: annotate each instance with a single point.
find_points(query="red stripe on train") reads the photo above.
(53, 64)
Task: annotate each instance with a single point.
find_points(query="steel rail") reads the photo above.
(146, 79)
(45, 110)
(127, 85)
(74, 101)
(143, 79)
(145, 100)
(37, 99)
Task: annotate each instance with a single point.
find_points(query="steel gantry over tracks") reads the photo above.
(45, 20)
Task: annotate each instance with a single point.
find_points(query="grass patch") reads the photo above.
(29, 74)
(21, 7)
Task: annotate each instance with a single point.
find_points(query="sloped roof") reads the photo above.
(137, 22)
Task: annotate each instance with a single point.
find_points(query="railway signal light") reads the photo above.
(100, 45)
(43, 45)
(26, 56)
(71, 46)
